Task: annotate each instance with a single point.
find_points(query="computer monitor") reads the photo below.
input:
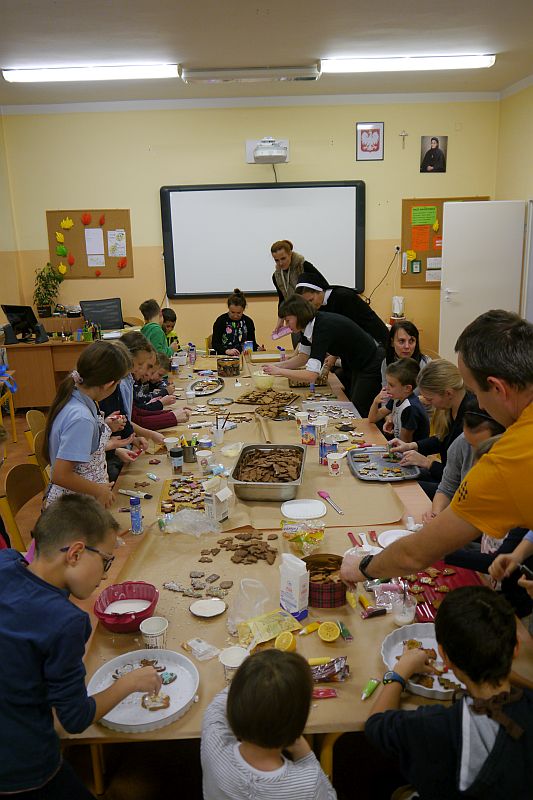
(105, 313)
(22, 321)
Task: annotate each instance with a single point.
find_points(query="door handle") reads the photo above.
(451, 291)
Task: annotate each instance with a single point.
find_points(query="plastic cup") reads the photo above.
(321, 423)
(190, 397)
(335, 463)
(205, 460)
(403, 611)
(302, 418)
(170, 442)
(231, 659)
(218, 435)
(154, 632)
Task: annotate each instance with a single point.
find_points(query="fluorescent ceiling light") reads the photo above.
(116, 73)
(405, 63)
(251, 75)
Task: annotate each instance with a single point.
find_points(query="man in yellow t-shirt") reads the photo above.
(495, 358)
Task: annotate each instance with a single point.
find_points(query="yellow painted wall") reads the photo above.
(515, 164)
(9, 284)
(120, 160)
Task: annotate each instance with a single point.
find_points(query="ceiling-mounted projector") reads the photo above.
(270, 151)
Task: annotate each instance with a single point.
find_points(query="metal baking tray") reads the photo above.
(248, 490)
(407, 474)
(196, 386)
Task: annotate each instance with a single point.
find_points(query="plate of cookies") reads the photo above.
(440, 686)
(140, 712)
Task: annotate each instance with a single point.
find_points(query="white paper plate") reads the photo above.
(211, 607)
(385, 538)
(129, 715)
(393, 646)
(303, 509)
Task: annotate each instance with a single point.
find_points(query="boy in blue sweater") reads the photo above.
(481, 747)
(405, 416)
(42, 643)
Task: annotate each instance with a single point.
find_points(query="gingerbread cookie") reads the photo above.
(168, 677)
(155, 702)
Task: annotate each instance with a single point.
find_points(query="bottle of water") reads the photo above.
(136, 516)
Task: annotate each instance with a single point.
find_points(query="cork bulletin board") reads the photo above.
(91, 243)
(422, 240)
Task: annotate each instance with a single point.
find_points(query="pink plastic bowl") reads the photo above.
(129, 590)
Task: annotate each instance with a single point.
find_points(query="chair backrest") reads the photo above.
(23, 481)
(44, 463)
(36, 421)
(134, 321)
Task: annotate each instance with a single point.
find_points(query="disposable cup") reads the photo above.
(403, 611)
(170, 442)
(205, 459)
(154, 632)
(302, 418)
(190, 397)
(321, 423)
(218, 435)
(335, 463)
(231, 659)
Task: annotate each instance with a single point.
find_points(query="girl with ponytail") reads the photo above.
(76, 434)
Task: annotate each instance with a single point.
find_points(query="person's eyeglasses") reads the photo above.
(108, 560)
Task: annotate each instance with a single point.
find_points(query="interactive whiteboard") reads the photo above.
(217, 237)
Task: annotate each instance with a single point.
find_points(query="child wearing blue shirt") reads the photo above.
(76, 434)
(407, 418)
(42, 642)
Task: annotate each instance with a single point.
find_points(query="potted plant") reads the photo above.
(46, 289)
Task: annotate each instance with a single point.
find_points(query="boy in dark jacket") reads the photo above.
(481, 747)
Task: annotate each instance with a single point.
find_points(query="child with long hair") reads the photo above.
(442, 385)
(76, 434)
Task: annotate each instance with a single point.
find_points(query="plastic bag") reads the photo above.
(189, 521)
(305, 536)
(251, 600)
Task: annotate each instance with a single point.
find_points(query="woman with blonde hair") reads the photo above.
(442, 386)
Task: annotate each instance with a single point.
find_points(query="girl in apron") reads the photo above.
(76, 434)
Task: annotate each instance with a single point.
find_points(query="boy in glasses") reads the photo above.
(42, 642)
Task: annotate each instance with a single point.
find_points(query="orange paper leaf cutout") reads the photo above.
(122, 262)
(101, 221)
(71, 259)
(97, 273)
(86, 218)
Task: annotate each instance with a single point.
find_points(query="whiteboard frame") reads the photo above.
(166, 192)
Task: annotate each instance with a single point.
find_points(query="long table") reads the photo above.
(158, 557)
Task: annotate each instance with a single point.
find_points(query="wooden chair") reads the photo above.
(42, 462)
(23, 481)
(36, 421)
(133, 321)
(6, 399)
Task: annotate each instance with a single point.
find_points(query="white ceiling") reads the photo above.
(245, 33)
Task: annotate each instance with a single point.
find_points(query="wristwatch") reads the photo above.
(394, 677)
(363, 564)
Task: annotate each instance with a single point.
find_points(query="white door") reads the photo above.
(482, 255)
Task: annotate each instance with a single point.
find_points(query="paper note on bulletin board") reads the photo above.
(422, 236)
(91, 243)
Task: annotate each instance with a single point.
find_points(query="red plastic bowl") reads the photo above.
(129, 590)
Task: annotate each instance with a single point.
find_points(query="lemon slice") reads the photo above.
(329, 631)
(286, 642)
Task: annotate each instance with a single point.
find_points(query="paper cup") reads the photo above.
(335, 463)
(231, 659)
(205, 459)
(154, 632)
